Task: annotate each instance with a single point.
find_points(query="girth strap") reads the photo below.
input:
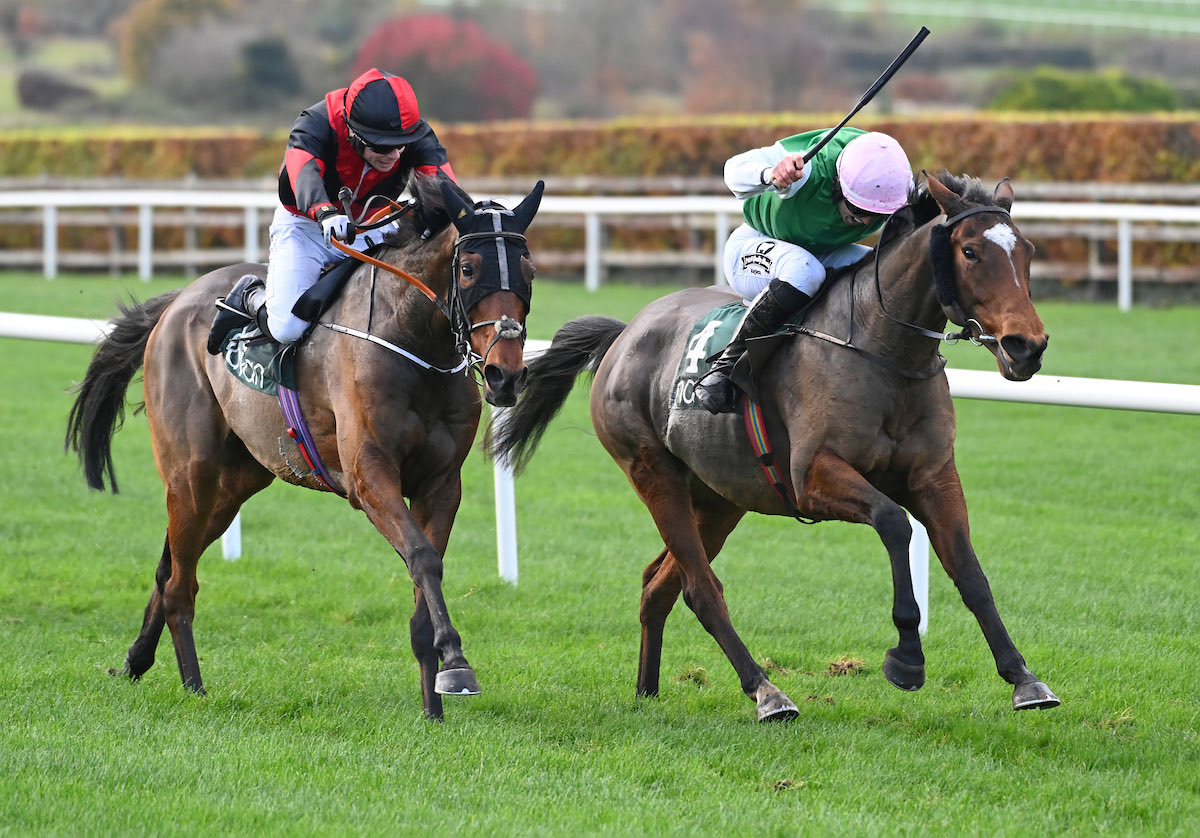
(298, 430)
(756, 430)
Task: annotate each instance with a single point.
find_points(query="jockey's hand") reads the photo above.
(337, 227)
(787, 171)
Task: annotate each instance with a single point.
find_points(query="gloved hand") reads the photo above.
(337, 226)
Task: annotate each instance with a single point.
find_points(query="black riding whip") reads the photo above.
(872, 90)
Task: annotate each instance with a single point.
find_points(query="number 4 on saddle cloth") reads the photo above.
(711, 334)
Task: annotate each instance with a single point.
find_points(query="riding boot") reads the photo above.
(770, 310)
(245, 302)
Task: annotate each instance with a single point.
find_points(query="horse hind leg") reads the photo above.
(662, 583)
(663, 488)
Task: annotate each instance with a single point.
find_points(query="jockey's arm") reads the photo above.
(750, 173)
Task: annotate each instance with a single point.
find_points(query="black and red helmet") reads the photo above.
(381, 110)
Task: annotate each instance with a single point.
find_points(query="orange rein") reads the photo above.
(371, 260)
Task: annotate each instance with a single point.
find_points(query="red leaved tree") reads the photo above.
(459, 73)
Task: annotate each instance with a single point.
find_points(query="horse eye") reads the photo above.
(969, 252)
(468, 270)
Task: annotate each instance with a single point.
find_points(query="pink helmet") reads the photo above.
(874, 173)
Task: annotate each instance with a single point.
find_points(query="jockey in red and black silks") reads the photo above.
(368, 137)
(324, 151)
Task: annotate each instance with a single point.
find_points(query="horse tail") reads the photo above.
(99, 409)
(580, 344)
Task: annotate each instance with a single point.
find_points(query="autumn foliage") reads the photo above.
(457, 70)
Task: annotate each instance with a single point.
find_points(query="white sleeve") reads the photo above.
(745, 173)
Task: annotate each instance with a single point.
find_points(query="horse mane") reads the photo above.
(431, 217)
(922, 208)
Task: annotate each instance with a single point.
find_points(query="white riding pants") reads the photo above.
(752, 260)
(297, 256)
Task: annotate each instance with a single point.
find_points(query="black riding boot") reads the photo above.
(768, 312)
(244, 302)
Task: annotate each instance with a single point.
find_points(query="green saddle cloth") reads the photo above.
(259, 364)
(708, 337)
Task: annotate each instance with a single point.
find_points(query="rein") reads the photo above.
(946, 293)
(456, 312)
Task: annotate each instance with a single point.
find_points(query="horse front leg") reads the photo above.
(833, 489)
(941, 507)
(140, 656)
(376, 490)
(434, 513)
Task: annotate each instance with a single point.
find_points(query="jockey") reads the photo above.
(368, 136)
(800, 219)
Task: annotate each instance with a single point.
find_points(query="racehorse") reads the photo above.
(855, 406)
(383, 380)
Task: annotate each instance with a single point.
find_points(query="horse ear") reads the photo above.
(460, 211)
(946, 199)
(527, 209)
(1004, 195)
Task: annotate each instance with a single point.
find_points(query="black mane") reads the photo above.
(430, 217)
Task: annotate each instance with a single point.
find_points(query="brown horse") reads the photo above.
(855, 404)
(381, 380)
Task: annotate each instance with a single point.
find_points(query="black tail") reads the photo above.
(99, 410)
(578, 345)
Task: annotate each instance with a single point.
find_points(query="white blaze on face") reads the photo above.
(1004, 236)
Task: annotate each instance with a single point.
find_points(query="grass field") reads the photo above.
(1085, 521)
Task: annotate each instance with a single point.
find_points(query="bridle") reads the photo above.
(455, 308)
(507, 328)
(943, 281)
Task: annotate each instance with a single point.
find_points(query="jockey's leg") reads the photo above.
(245, 301)
(770, 310)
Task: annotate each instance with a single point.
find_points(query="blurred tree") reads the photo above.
(458, 72)
(149, 23)
(1052, 89)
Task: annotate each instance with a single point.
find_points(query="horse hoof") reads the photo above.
(774, 706)
(456, 682)
(1034, 695)
(906, 676)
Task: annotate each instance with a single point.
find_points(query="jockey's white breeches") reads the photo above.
(752, 260)
(297, 256)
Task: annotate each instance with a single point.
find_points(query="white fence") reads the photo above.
(970, 384)
(597, 211)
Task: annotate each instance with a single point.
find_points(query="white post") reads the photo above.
(591, 259)
(1124, 265)
(50, 241)
(918, 563)
(231, 541)
(145, 241)
(720, 235)
(506, 513)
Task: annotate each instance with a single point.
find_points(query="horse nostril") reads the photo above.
(494, 376)
(1018, 347)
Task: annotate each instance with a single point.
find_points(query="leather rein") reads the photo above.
(972, 329)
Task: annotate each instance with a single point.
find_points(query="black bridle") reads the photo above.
(463, 300)
(943, 282)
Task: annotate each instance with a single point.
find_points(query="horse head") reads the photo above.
(492, 286)
(980, 264)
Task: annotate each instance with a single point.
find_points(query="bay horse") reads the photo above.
(855, 405)
(384, 382)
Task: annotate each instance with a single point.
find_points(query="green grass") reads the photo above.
(1085, 521)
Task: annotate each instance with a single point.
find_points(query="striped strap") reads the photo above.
(756, 430)
(297, 429)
